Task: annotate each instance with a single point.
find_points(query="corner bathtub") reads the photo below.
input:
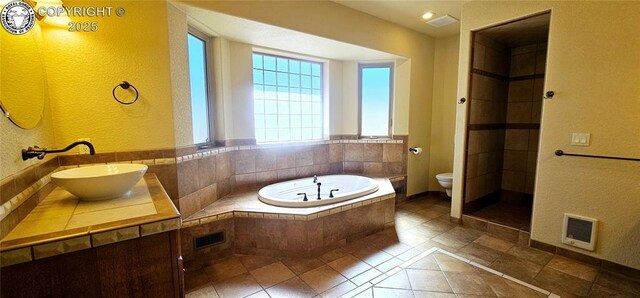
(285, 194)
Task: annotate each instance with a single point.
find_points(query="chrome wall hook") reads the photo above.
(549, 95)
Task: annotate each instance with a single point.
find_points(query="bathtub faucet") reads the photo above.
(305, 196)
(331, 192)
(315, 178)
(319, 184)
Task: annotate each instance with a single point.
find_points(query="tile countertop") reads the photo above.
(62, 216)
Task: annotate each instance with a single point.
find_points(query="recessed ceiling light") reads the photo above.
(427, 15)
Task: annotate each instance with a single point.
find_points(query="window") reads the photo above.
(376, 88)
(287, 96)
(200, 103)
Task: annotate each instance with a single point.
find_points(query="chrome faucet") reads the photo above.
(38, 152)
(319, 184)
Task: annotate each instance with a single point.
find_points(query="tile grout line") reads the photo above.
(528, 285)
(477, 265)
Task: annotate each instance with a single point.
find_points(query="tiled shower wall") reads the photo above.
(489, 92)
(526, 81)
(504, 119)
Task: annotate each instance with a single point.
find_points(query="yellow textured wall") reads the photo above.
(443, 118)
(83, 68)
(593, 67)
(12, 138)
(334, 21)
(180, 87)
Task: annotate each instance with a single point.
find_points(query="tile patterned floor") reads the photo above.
(369, 267)
(513, 214)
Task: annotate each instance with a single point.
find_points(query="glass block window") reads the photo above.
(287, 96)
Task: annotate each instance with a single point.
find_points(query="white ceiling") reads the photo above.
(409, 13)
(273, 37)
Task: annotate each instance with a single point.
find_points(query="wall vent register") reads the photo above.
(579, 231)
(208, 240)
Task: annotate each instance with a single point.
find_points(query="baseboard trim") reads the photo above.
(603, 264)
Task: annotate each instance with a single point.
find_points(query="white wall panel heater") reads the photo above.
(579, 231)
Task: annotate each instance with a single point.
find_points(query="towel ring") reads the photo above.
(124, 85)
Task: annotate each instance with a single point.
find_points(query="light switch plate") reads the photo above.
(580, 139)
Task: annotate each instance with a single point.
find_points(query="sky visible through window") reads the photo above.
(198, 77)
(375, 84)
(287, 97)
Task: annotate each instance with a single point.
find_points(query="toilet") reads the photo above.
(446, 181)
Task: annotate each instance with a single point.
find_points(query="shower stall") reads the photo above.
(507, 78)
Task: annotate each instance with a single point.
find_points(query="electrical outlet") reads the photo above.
(82, 149)
(580, 139)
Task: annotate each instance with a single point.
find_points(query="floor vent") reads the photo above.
(579, 231)
(208, 240)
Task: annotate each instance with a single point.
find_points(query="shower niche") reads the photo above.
(505, 105)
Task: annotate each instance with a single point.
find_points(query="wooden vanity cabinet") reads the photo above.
(149, 266)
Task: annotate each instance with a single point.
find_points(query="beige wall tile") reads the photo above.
(515, 181)
(541, 59)
(538, 89)
(393, 152)
(321, 154)
(534, 136)
(515, 160)
(266, 178)
(187, 177)
(524, 49)
(353, 152)
(516, 139)
(373, 168)
(521, 90)
(266, 159)
(536, 111)
(246, 181)
(245, 161)
(480, 87)
(336, 153)
(532, 159)
(478, 56)
(523, 65)
(304, 156)
(354, 167)
(519, 112)
(225, 166)
(373, 152)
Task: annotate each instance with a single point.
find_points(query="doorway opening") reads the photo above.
(505, 105)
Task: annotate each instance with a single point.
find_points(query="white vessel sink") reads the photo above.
(101, 182)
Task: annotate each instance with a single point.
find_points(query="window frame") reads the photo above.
(210, 142)
(323, 100)
(391, 66)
